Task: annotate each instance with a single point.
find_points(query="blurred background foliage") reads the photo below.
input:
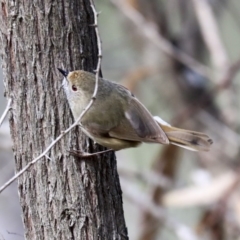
(181, 59)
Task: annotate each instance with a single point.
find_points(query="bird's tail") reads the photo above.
(194, 141)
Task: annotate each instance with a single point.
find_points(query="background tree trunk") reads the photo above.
(61, 197)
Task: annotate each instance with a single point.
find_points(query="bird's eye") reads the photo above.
(74, 88)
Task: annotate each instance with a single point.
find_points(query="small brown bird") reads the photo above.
(118, 120)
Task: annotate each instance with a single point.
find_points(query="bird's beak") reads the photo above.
(63, 72)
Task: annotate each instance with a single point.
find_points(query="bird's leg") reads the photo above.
(81, 154)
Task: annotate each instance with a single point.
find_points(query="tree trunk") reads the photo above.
(62, 197)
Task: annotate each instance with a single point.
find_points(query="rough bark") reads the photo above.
(62, 197)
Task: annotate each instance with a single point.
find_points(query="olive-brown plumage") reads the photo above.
(117, 119)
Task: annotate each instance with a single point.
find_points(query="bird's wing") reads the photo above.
(138, 125)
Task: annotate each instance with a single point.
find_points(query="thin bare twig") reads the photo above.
(150, 31)
(40, 156)
(99, 57)
(6, 111)
(97, 70)
(43, 154)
